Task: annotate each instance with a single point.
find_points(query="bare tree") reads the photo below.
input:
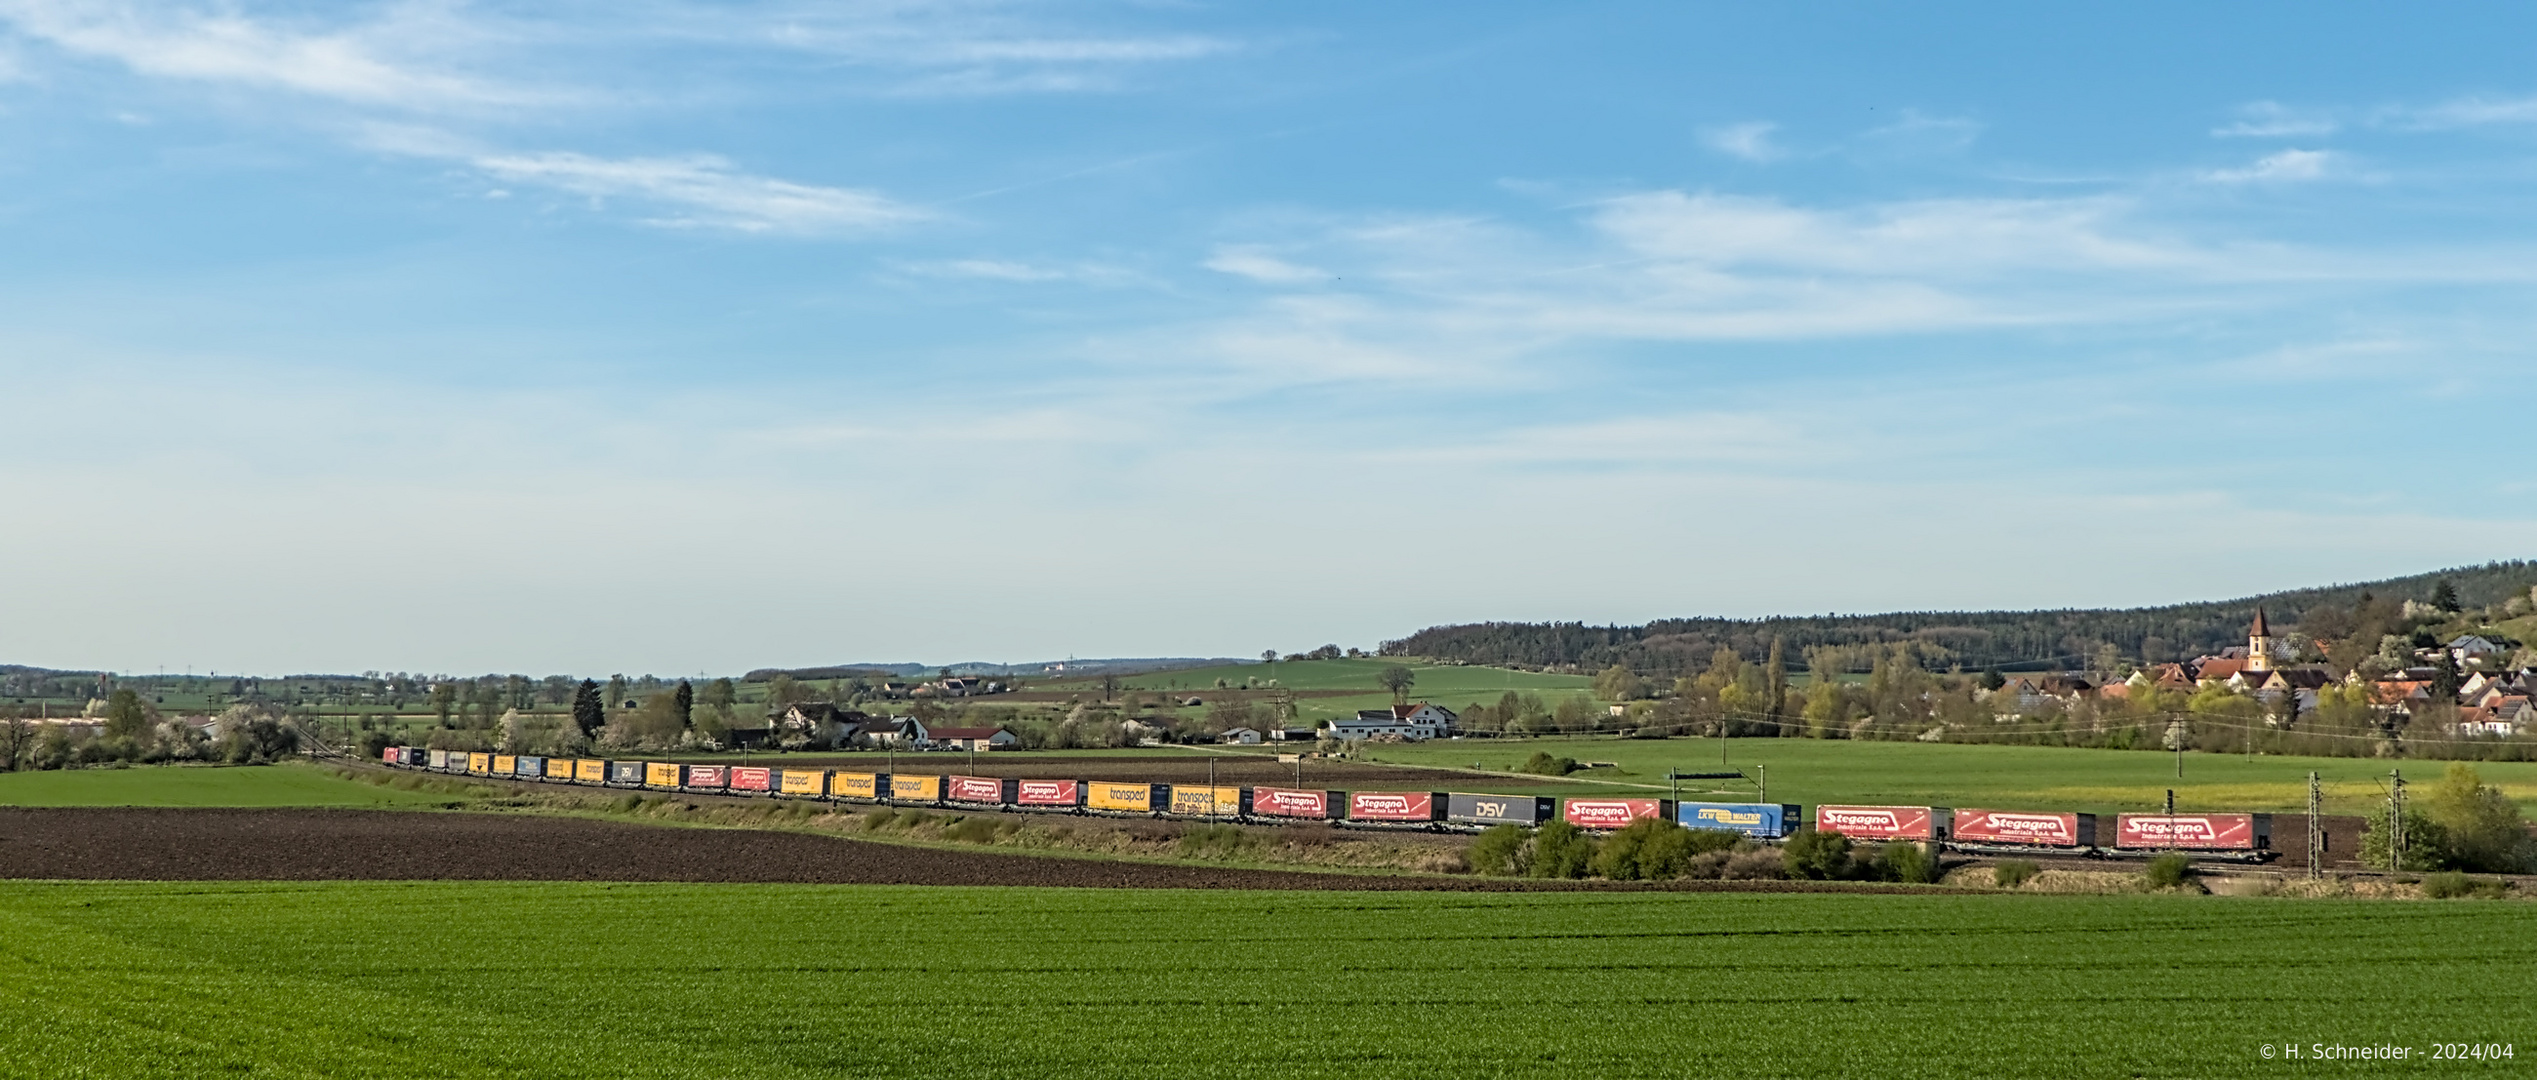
(1398, 678)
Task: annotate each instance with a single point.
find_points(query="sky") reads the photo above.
(669, 337)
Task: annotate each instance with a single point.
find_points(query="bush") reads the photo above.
(1505, 850)
(2168, 871)
(1753, 864)
(1816, 856)
(1648, 849)
(1562, 850)
(2011, 873)
(1542, 764)
(2480, 827)
(2452, 885)
(1907, 862)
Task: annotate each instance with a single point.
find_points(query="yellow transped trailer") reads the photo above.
(660, 774)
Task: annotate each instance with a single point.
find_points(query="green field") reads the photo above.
(203, 785)
(585, 980)
(1813, 771)
(1451, 685)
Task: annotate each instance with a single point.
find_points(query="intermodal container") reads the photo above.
(752, 778)
(505, 764)
(561, 770)
(531, 768)
(439, 759)
(1498, 809)
(858, 785)
(1762, 821)
(711, 777)
(661, 774)
(2195, 832)
(480, 764)
(1125, 798)
(1610, 813)
(626, 772)
(1199, 800)
(392, 754)
(595, 771)
(1048, 793)
(974, 789)
(1883, 822)
(916, 788)
(1293, 803)
(1393, 805)
(811, 782)
(2024, 827)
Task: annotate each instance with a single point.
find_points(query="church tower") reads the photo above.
(2261, 646)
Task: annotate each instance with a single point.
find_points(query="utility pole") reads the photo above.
(2171, 802)
(1764, 794)
(2396, 821)
(2316, 830)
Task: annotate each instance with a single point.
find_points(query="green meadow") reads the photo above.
(1814, 771)
(431, 979)
(1451, 685)
(206, 785)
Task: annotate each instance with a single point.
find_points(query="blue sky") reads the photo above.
(671, 337)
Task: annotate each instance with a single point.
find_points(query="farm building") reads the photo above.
(968, 738)
(1420, 721)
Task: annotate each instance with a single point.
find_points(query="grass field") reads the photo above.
(269, 785)
(1450, 685)
(1812, 771)
(576, 980)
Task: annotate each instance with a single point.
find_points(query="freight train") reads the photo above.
(2239, 837)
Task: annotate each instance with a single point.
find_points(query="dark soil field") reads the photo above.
(368, 845)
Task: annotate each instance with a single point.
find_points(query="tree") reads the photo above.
(683, 705)
(2445, 596)
(2481, 827)
(17, 737)
(126, 716)
(1398, 678)
(589, 713)
(720, 695)
(444, 700)
(1268, 656)
(1617, 683)
(1775, 672)
(616, 692)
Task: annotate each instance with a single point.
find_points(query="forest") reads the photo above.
(1973, 640)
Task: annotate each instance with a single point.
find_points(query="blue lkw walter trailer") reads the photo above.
(1761, 821)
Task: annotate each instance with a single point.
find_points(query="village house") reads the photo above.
(1413, 722)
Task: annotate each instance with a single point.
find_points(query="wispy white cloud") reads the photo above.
(399, 61)
(1917, 132)
(703, 190)
(2272, 120)
(1262, 267)
(2462, 112)
(1750, 140)
(2285, 167)
(1019, 272)
(965, 47)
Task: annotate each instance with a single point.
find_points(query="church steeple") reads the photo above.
(2259, 644)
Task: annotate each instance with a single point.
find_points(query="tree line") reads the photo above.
(2010, 640)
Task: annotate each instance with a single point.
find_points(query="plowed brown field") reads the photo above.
(376, 845)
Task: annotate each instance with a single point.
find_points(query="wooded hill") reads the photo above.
(2008, 640)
